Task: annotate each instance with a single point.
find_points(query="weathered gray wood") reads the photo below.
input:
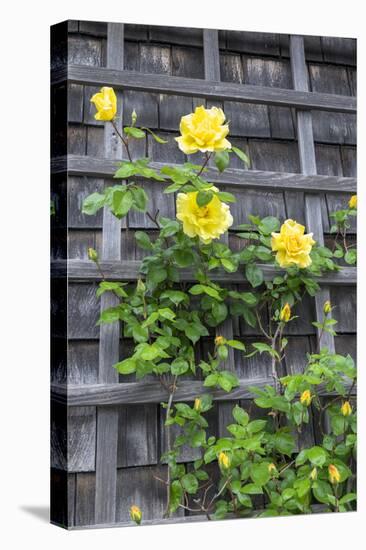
(149, 392)
(139, 486)
(253, 42)
(105, 168)
(187, 62)
(80, 270)
(85, 513)
(137, 435)
(107, 418)
(98, 76)
(211, 54)
(308, 166)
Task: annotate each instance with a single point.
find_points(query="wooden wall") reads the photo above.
(268, 133)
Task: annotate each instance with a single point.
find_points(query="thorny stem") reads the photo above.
(274, 360)
(124, 141)
(208, 156)
(172, 389)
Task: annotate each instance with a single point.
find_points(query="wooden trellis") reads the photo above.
(97, 412)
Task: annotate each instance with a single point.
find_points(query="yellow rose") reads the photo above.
(346, 408)
(136, 514)
(285, 313)
(305, 398)
(291, 245)
(272, 468)
(224, 461)
(204, 130)
(105, 102)
(207, 222)
(219, 340)
(334, 475)
(352, 203)
(327, 308)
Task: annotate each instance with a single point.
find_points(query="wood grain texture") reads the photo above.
(107, 418)
(305, 137)
(98, 76)
(79, 270)
(147, 392)
(105, 168)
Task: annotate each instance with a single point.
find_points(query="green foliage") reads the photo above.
(167, 317)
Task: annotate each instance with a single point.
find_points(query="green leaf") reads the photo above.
(203, 198)
(170, 228)
(222, 160)
(284, 442)
(204, 289)
(268, 225)
(251, 489)
(189, 483)
(140, 198)
(143, 240)
(254, 275)
(122, 201)
(227, 381)
(256, 426)
(240, 415)
(134, 132)
(236, 344)
(183, 258)
(93, 203)
(110, 286)
(139, 333)
(350, 256)
(317, 456)
(176, 495)
(259, 473)
(175, 296)
(349, 497)
(225, 196)
(157, 274)
(338, 424)
(211, 380)
(126, 170)
(128, 366)
(179, 366)
(228, 265)
(243, 157)
(110, 315)
(156, 138)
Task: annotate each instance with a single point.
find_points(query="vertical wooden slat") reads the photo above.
(211, 56)
(305, 138)
(107, 417)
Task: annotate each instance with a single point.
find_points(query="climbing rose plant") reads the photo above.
(263, 451)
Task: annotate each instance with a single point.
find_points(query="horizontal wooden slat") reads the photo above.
(129, 270)
(196, 518)
(104, 168)
(150, 392)
(133, 80)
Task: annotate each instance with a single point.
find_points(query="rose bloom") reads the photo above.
(305, 398)
(207, 222)
(291, 245)
(224, 460)
(346, 408)
(352, 203)
(334, 475)
(204, 130)
(285, 313)
(105, 102)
